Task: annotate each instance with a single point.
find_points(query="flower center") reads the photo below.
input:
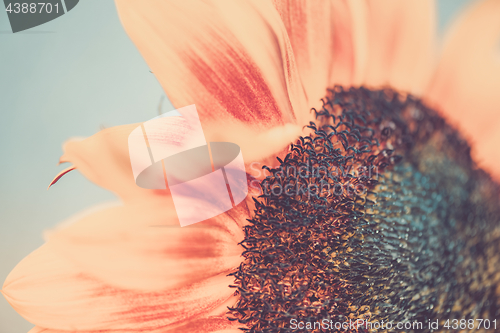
(379, 215)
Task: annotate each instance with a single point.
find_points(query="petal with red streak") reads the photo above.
(143, 247)
(51, 291)
(210, 324)
(232, 59)
(309, 27)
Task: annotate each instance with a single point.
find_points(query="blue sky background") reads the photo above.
(63, 79)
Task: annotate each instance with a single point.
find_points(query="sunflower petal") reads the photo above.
(466, 85)
(329, 40)
(309, 27)
(350, 62)
(232, 59)
(240, 73)
(401, 48)
(143, 247)
(219, 324)
(104, 159)
(51, 291)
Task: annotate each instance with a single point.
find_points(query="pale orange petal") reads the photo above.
(347, 17)
(51, 291)
(401, 37)
(37, 329)
(466, 87)
(104, 159)
(143, 247)
(232, 59)
(218, 324)
(356, 60)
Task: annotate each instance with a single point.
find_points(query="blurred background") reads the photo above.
(68, 78)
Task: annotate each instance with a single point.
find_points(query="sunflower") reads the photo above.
(339, 88)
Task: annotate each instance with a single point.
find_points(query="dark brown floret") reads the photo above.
(379, 214)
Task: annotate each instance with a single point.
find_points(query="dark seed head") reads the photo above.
(379, 214)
